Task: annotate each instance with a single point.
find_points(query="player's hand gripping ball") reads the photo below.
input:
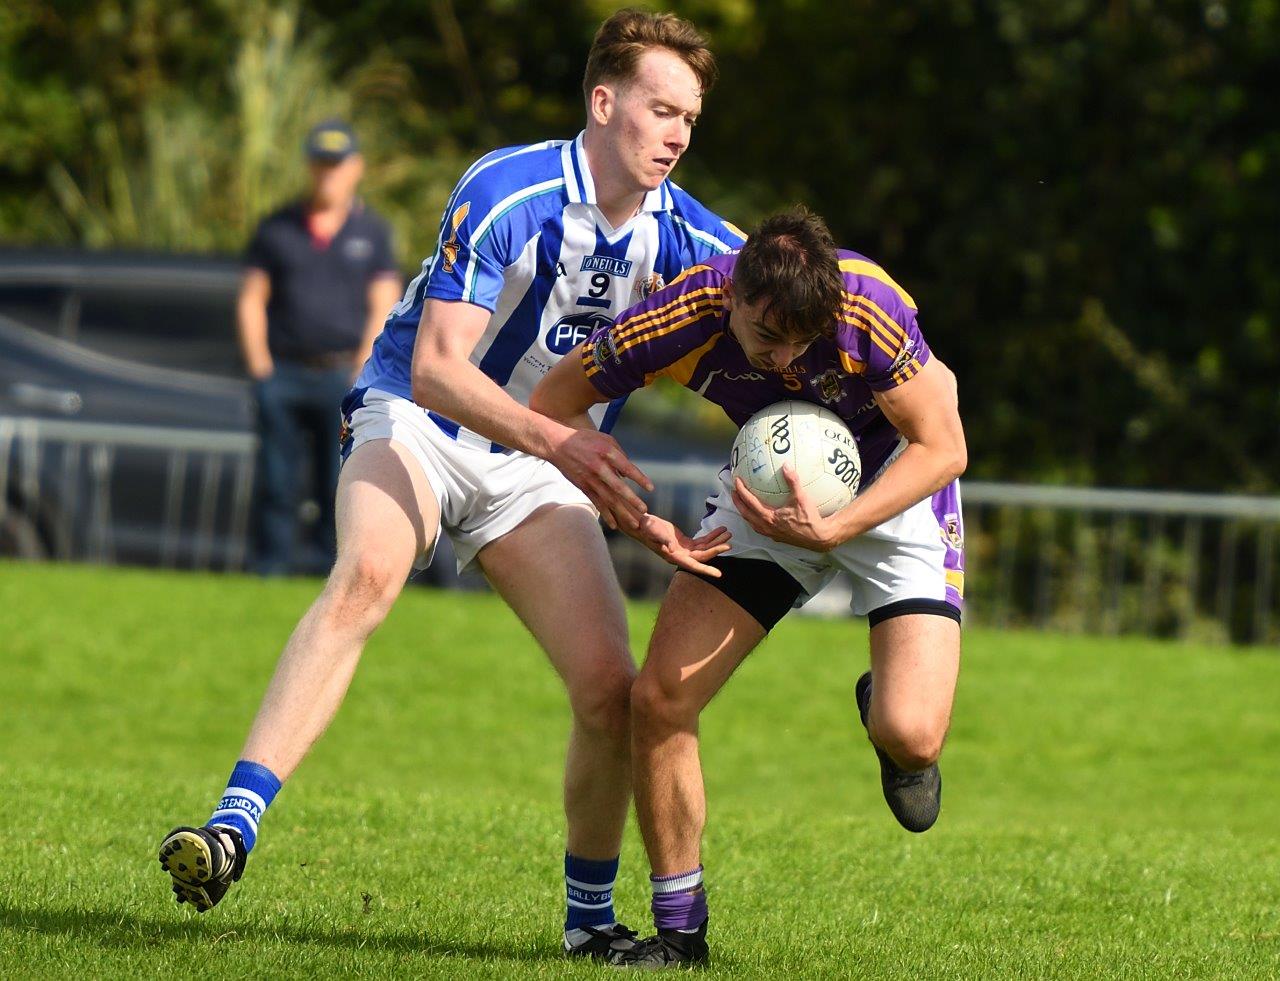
(813, 441)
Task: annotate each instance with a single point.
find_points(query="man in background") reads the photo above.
(319, 279)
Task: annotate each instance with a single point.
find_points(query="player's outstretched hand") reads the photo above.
(666, 540)
(795, 523)
(596, 464)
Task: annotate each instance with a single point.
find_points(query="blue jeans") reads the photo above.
(298, 426)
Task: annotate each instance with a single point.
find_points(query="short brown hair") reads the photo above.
(790, 265)
(625, 36)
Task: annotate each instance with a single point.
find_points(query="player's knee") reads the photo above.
(913, 744)
(656, 705)
(601, 701)
(362, 589)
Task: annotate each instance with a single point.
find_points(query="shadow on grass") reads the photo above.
(121, 928)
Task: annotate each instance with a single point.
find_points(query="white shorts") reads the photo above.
(482, 494)
(917, 555)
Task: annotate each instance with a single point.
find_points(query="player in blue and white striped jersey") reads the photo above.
(538, 245)
(525, 237)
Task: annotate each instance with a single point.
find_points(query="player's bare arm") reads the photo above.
(445, 380)
(925, 411)
(565, 394)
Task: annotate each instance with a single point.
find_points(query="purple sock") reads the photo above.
(679, 901)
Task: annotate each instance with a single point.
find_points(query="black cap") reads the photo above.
(331, 141)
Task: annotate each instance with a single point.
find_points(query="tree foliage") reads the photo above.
(1081, 194)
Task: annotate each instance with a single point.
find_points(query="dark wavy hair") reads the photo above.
(790, 265)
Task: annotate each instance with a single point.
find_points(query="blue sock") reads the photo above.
(590, 889)
(249, 793)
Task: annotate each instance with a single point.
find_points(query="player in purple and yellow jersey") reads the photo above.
(789, 317)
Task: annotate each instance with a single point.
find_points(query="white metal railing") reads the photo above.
(63, 476)
(1071, 558)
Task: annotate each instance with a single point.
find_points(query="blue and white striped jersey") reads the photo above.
(522, 236)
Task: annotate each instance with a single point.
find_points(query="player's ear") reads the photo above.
(728, 293)
(601, 105)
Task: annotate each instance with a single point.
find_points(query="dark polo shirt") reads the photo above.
(319, 290)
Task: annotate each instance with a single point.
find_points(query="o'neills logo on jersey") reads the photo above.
(449, 249)
(606, 264)
(905, 355)
(789, 380)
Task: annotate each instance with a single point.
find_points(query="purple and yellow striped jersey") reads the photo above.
(682, 332)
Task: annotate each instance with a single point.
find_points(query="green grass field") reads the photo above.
(1112, 806)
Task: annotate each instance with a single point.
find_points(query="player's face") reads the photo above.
(763, 342)
(651, 119)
